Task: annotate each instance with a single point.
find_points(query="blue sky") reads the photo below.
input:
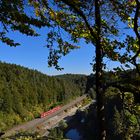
(33, 54)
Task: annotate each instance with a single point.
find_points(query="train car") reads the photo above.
(44, 114)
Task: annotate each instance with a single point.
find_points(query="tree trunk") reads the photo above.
(99, 90)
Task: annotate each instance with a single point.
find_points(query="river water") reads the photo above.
(73, 134)
(76, 129)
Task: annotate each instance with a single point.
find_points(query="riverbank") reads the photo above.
(77, 126)
(74, 129)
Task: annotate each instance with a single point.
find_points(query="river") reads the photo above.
(73, 134)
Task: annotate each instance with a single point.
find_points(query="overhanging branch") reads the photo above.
(136, 28)
(79, 12)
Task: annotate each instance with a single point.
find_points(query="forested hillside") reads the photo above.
(25, 93)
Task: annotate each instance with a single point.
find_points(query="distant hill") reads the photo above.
(24, 93)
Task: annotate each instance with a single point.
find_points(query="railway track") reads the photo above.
(36, 124)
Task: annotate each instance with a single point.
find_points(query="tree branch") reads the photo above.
(137, 67)
(79, 12)
(136, 28)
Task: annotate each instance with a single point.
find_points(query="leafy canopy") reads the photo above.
(70, 21)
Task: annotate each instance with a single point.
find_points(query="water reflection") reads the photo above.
(73, 134)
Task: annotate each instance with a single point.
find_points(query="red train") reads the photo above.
(44, 114)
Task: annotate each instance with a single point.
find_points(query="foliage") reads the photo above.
(117, 123)
(61, 17)
(56, 133)
(95, 22)
(122, 109)
(14, 17)
(122, 117)
(74, 20)
(25, 93)
(24, 136)
(63, 125)
(129, 46)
